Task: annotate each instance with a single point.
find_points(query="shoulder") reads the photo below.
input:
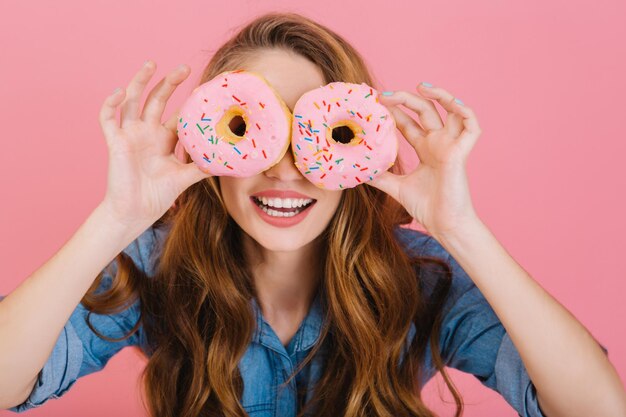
(146, 248)
(413, 241)
(420, 244)
(144, 251)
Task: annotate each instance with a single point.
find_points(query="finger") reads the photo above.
(454, 125)
(471, 130)
(130, 107)
(191, 173)
(454, 121)
(157, 99)
(172, 122)
(428, 116)
(470, 122)
(410, 129)
(389, 183)
(180, 153)
(171, 125)
(464, 119)
(108, 112)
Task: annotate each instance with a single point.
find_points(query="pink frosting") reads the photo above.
(267, 133)
(334, 165)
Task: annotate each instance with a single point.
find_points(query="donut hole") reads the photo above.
(232, 125)
(342, 134)
(238, 126)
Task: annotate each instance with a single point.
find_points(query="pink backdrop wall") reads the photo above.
(547, 176)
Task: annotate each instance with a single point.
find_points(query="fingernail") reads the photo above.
(387, 93)
(147, 63)
(425, 84)
(458, 100)
(181, 66)
(117, 90)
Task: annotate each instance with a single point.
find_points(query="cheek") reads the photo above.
(331, 203)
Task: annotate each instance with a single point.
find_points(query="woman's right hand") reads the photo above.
(144, 177)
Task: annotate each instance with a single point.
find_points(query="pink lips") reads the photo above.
(281, 221)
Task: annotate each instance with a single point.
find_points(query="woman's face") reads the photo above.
(291, 75)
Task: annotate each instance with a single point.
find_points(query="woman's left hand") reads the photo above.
(436, 193)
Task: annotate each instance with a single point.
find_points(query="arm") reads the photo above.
(558, 352)
(144, 180)
(472, 338)
(567, 356)
(33, 316)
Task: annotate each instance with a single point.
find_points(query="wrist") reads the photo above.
(116, 227)
(461, 233)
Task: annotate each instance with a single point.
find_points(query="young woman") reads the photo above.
(343, 313)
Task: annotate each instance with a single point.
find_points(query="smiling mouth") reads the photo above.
(281, 211)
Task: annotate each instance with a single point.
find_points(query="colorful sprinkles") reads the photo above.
(316, 161)
(229, 151)
(316, 157)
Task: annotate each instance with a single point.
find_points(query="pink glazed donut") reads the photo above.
(342, 136)
(235, 124)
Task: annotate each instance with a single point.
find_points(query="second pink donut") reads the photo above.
(342, 136)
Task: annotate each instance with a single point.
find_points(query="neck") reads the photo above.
(285, 281)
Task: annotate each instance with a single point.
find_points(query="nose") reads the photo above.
(285, 169)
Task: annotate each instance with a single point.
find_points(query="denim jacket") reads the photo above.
(472, 340)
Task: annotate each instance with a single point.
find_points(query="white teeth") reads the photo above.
(279, 213)
(295, 204)
(285, 202)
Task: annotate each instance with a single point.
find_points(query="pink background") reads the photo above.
(545, 79)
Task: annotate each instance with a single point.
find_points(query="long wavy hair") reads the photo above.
(196, 310)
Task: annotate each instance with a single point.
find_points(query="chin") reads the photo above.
(282, 240)
(281, 245)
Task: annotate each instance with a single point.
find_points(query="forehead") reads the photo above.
(289, 73)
